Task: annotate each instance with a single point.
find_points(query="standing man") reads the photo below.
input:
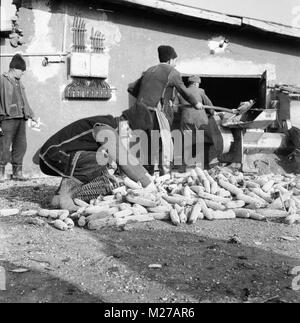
(155, 90)
(14, 112)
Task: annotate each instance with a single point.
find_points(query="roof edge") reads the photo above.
(169, 6)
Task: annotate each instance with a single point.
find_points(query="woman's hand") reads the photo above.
(199, 106)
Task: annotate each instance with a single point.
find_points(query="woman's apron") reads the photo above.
(165, 132)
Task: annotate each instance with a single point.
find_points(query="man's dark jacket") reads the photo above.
(158, 85)
(60, 149)
(8, 108)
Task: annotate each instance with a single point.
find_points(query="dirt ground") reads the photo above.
(112, 265)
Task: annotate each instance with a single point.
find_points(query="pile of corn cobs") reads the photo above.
(220, 194)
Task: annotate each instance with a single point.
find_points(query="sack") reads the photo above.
(169, 113)
(166, 137)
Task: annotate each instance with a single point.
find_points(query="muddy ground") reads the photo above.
(198, 262)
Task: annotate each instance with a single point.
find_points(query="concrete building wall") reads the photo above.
(132, 38)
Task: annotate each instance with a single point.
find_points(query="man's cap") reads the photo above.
(18, 63)
(194, 79)
(166, 53)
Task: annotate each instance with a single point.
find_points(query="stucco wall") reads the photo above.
(132, 40)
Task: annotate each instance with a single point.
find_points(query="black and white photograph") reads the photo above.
(150, 154)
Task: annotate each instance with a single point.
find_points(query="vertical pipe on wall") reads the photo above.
(65, 29)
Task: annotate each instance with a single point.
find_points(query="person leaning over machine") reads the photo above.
(192, 119)
(154, 90)
(73, 154)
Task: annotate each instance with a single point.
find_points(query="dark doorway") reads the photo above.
(228, 91)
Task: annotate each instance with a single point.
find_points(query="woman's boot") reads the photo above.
(64, 196)
(18, 174)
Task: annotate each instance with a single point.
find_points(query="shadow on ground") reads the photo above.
(39, 287)
(204, 268)
(39, 194)
(113, 265)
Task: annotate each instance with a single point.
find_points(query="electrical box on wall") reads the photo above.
(99, 65)
(89, 65)
(80, 65)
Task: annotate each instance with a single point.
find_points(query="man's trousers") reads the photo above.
(13, 144)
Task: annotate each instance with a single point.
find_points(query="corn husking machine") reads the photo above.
(259, 129)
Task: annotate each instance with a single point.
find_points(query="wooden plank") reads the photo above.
(185, 10)
(272, 27)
